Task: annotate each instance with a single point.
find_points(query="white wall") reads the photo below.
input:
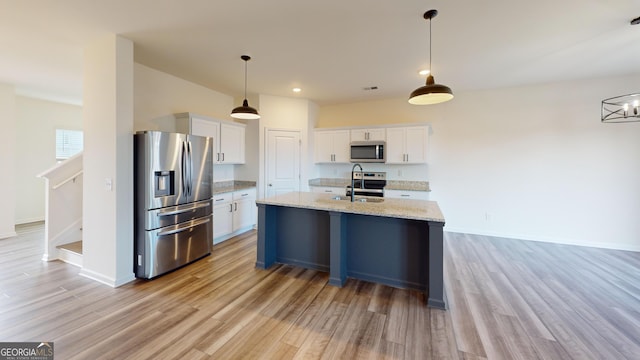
(36, 124)
(8, 151)
(531, 162)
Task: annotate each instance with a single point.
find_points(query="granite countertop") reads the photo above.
(231, 186)
(391, 184)
(396, 208)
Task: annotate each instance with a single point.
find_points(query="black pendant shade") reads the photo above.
(245, 111)
(430, 93)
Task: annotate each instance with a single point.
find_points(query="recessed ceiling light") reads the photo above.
(424, 72)
(296, 90)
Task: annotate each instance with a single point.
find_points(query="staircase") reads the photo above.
(63, 213)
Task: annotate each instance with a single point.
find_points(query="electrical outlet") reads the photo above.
(108, 184)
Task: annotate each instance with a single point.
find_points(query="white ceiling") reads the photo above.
(332, 49)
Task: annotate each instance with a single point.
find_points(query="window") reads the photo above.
(68, 143)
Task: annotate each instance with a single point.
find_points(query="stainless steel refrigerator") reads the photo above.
(173, 201)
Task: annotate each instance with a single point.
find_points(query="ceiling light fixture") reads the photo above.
(245, 111)
(296, 90)
(624, 108)
(431, 93)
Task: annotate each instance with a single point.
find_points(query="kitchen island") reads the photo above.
(395, 242)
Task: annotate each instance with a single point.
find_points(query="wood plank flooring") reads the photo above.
(508, 299)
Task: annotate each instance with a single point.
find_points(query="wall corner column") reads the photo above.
(108, 161)
(8, 150)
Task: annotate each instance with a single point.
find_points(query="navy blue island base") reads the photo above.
(395, 251)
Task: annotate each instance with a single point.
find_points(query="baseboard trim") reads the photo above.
(8, 235)
(114, 283)
(30, 220)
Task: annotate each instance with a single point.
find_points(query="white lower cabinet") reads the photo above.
(407, 194)
(244, 209)
(222, 215)
(233, 213)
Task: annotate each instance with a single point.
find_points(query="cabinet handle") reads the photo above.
(235, 206)
(230, 207)
(217, 156)
(405, 195)
(221, 199)
(328, 191)
(223, 157)
(244, 195)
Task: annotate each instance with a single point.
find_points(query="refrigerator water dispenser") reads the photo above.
(164, 184)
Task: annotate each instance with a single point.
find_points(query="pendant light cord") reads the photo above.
(245, 79)
(430, 71)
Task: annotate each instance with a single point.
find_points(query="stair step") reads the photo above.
(71, 253)
(74, 247)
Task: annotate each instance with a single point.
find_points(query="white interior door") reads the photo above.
(283, 162)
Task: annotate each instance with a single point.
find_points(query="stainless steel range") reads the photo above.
(368, 183)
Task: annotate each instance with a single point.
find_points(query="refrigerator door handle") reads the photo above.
(188, 166)
(183, 170)
(168, 213)
(190, 169)
(187, 226)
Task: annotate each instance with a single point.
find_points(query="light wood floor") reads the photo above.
(508, 299)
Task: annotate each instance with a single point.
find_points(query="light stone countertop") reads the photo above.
(231, 186)
(395, 208)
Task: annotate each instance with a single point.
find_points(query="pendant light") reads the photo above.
(431, 93)
(245, 111)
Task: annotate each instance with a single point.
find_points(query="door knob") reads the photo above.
(270, 184)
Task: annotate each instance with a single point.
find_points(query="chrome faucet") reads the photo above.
(353, 190)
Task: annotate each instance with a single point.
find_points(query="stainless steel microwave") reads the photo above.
(368, 151)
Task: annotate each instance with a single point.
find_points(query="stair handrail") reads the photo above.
(73, 177)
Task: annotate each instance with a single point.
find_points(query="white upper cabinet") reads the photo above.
(228, 137)
(232, 144)
(376, 134)
(407, 145)
(332, 146)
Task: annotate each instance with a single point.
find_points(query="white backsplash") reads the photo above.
(223, 173)
(394, 172)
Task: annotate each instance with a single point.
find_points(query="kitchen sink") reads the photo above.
(359, 199)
